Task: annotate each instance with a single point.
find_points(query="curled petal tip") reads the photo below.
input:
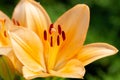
(110, 47)
(95, 51)
(82, 6)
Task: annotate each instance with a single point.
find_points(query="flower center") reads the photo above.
(60, 34)
(2, 27)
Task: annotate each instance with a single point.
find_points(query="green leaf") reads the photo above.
(7, 71)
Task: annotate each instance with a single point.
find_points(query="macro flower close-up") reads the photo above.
(5, 43)
(38, 47)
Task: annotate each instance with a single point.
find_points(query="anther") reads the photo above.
(51, 41)
(59, 29)
(50, 29)
(4, 20)
(18, 24)
(13, 21)
(45, 35)
(58, 40)
(5, 34)
(63, 35)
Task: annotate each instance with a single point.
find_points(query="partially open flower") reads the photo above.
(5, 23)
(54, 49)
(5, 44)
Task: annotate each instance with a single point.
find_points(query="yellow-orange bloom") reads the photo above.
(4, 25)
(47, 49)
(5, 43)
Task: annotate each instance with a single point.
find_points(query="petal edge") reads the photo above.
(94, 51)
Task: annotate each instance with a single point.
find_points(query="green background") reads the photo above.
(104, 27)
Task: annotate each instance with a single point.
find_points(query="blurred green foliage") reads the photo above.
(7, 70)
(104, 27)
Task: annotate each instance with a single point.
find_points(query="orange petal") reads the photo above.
(28, 74)
(75, 24)
(8, 22)
(8, 52)
(72, 69)
(32, 15)
(5, 25)
(28, 48)
(94, 51)
(5, 51)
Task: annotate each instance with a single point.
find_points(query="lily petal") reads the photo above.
(8, 52)
(75, 25)
(5, 24)
(28, 74)
(8, 22)
(28, 48)
(94, 51)
(5, 51)
(32, 15)
(72, 69)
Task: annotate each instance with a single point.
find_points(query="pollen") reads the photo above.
(15, 22)
(45, 35)
(5, 33)
(59, 29)
(58, 40)
(51, 41)
(53, 34)
(63, 35)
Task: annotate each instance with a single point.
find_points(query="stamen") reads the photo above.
(4, 20)
(59, 29)
(18, 24)
(51, 41)
(58, 40)
(45, 35)
(50, 29)
(14, 22)
(5, 34)
(63, 35)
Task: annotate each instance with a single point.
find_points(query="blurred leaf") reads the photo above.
(6, 68)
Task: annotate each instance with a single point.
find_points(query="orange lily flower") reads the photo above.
(4, 24)
(47, 49)
(5, 43)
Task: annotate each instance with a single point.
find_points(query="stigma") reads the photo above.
(48, 35)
